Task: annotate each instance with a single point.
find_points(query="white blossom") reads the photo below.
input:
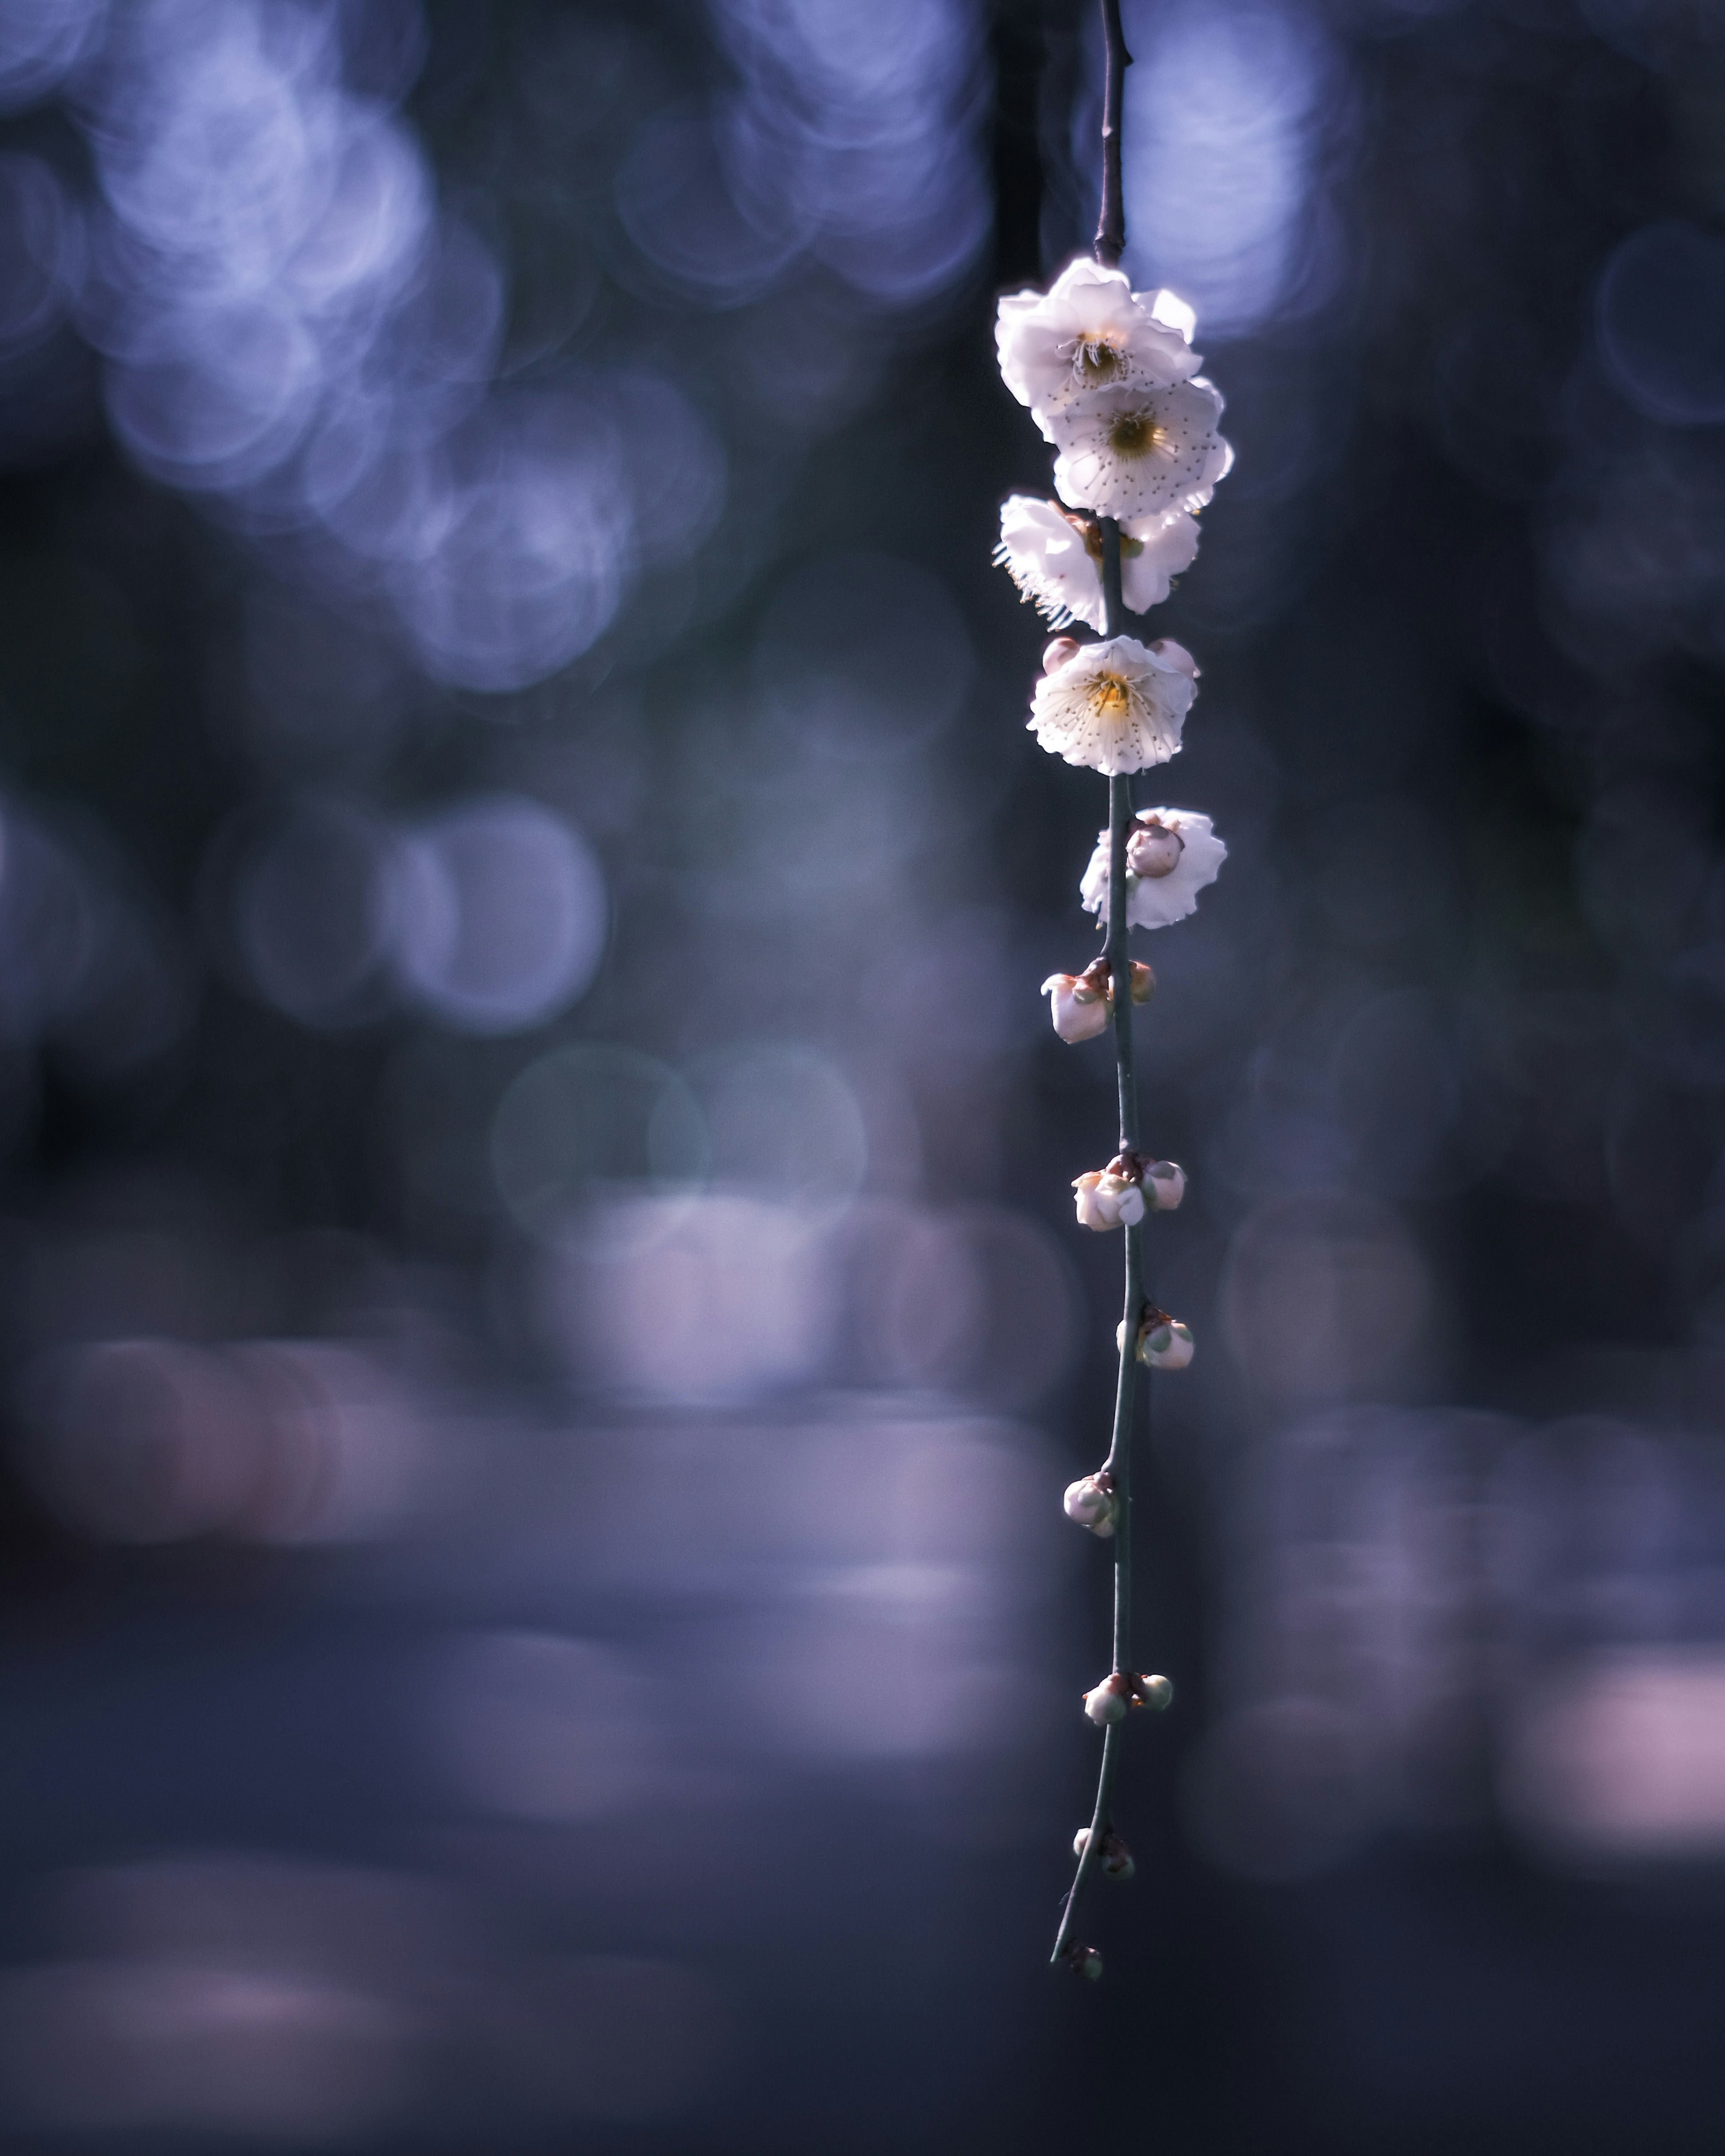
(1090, 1502)
(1140, 451)
(1169, 892)
(1107, 1201)
(1116, 706)
(1054, 557)
(1089, 328)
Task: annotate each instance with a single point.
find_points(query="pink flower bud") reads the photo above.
(1080, 1012)
(1057, 653)
(1154, 850)
(1143, 982)
(1090, 1502)
(1164, 1185)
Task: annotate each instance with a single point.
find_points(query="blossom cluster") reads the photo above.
(1110, 377)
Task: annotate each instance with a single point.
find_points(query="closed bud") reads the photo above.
(1109, 1701)
(1164, 1183)
(1143, 982)
(1059, 652)
(1165, 1345)
(1080, 1011)
(1090, 1502)
(1152, 1692)
(1154, 850)
(1084, 1961)
(1106, 1200)
(1117, 1857)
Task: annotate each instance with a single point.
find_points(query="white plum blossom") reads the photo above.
(1106, 1201)
(1117, 706)
(1090, 1502)
(1090, 329)
(1054, 557)
(1140, 451)
(1179, 854)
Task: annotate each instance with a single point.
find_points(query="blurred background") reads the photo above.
(542, 1330)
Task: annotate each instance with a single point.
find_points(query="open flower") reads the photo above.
(1139, 452)
(1107, 1200)
(1090, 1502)
(1118, 706)
(1054, 557)
(1088, 329)
(1177, 854)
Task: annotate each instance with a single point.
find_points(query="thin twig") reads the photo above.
(1110, 242)
(1111, 226)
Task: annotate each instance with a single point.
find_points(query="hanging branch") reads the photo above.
(1110, 376)
(1111, 226)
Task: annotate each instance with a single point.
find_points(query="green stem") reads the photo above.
(1118, 1464)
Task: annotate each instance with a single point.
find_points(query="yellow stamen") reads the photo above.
(1097, 359)
(1136, 434)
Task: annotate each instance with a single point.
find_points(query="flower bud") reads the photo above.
(1059, 652)
(1143, 982)
(1080, 1012)
(1090, 1502)
(1107, 1200)
(1084, 1961)
(1117, 1857)
(1154, 850)
(1175, 654)
(1109, 1701)
(1164, 1185)
(1152, 1692)
(1165, 1344)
